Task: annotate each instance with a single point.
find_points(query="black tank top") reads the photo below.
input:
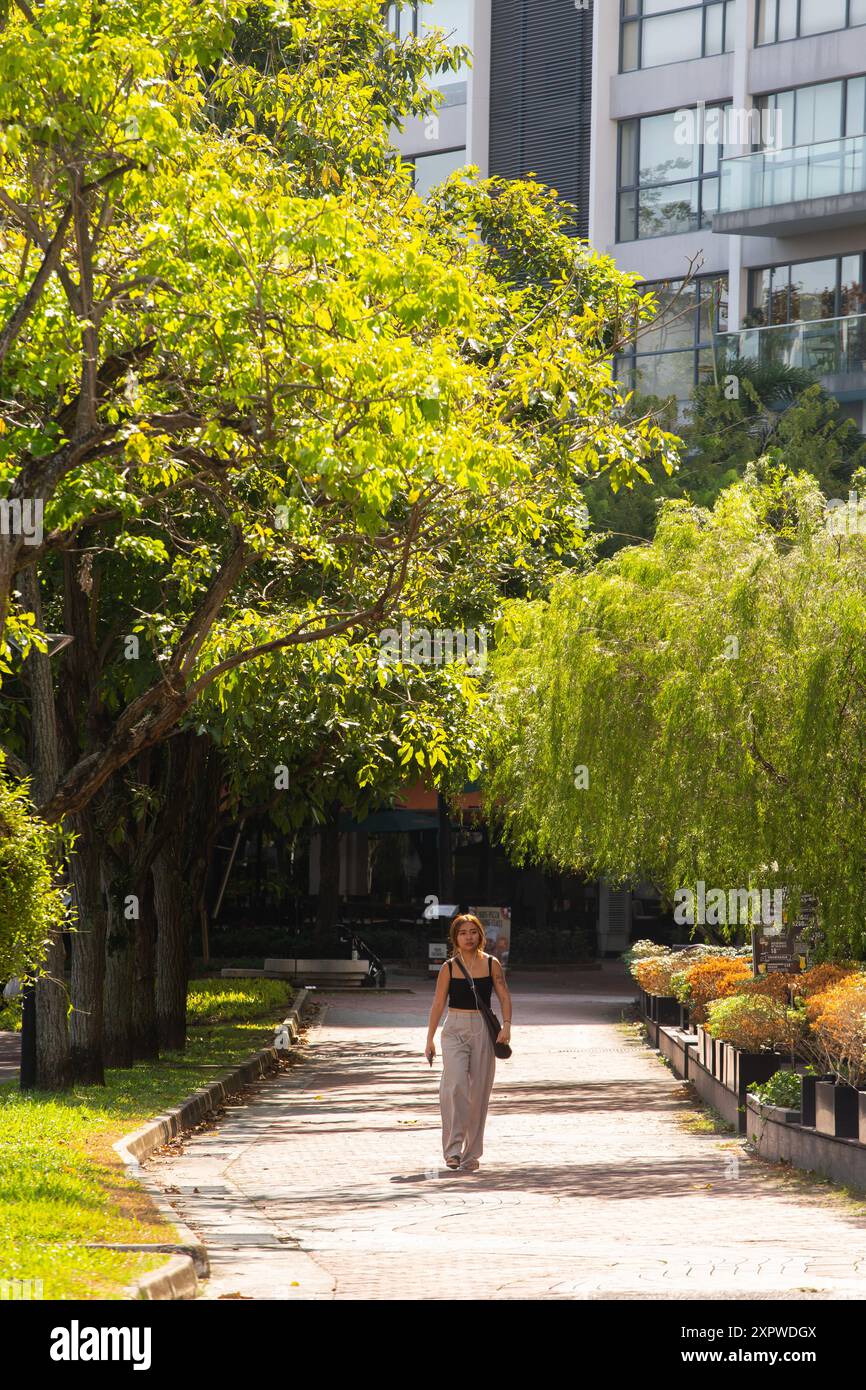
(460, 994)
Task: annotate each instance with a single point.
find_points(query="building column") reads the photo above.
(744, 38)
(478, 105)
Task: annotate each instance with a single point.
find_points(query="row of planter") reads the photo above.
(828, 1106)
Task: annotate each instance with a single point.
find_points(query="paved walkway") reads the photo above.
(329, 1184)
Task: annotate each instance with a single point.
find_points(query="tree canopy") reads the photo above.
(253, 380)
(693, 709)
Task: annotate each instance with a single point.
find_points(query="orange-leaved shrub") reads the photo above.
(820, 977)
(776, 984)
(755, 1023)
(717, 977)
(654, 973)
(837, 1028)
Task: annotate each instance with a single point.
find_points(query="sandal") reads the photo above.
(471, 1165)
(452, 1163)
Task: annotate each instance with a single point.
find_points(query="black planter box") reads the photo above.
(663, 1009)
(752, 1067)
(668, 1011)
(807, 1097)
(685, 1020)
(837, 1110)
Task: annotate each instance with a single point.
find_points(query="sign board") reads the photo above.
(496, 922)
(437, 951)
(784, 951)
(785, 945)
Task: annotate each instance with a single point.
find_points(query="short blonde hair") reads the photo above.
(466, 919)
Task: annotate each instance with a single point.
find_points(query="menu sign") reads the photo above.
(785, 945)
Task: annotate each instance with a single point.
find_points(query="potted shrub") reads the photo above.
(756, 1029)
(713, 976)
(781, 1095)
(654, 974)
(837, 1040)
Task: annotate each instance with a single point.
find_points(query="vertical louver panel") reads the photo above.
(540, 89)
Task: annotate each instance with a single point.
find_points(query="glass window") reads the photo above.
(818, 16)
(627, 152)
(787, 19)
(813, 289)
(855, 106)
(672, 38)
(759, 298)
(852, 299)
(675, 352)
(431, 169)
(714, 38)
(818, 113)
(666, 211)
(674, 325)
(806, 290)
(450, 15)
(630, 37)
(673, 31)
(669, 172)
(766, 21)
(628, 215)
(790, 19)
(663, 156)
(812, 115)
(666, 374)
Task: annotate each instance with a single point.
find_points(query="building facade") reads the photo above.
(718, 141)
(729, 141)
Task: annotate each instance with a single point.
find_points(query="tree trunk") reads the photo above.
(145, 1035)
(88, 960)
(53, 1060)
(329, 878)
(172, 950)
(445, 852)
(119, 966)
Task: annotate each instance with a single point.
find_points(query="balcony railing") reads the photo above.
(772, 178)
(827, 347)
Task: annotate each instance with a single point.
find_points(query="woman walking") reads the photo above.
(468, 1059)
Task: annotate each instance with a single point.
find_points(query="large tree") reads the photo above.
(265, 395)
(695, 708)
(281, 379)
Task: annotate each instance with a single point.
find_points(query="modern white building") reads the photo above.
(730, 136)
(523, 106)
(726, 138)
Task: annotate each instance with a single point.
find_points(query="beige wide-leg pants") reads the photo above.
(468, 1068)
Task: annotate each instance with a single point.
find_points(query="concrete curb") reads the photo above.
(178, 1278)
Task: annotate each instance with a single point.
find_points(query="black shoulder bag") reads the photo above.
(501, 1049)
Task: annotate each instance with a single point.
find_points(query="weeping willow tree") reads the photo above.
(695, 708)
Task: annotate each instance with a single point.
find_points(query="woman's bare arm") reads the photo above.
(502, 992)
(437, 1008)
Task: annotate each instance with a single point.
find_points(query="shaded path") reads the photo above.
(329, 1184)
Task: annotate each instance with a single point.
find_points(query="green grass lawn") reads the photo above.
(62, 1185)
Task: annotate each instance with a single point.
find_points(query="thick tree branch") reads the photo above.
(50, 258)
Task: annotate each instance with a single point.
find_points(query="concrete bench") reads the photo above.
(341, 973)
